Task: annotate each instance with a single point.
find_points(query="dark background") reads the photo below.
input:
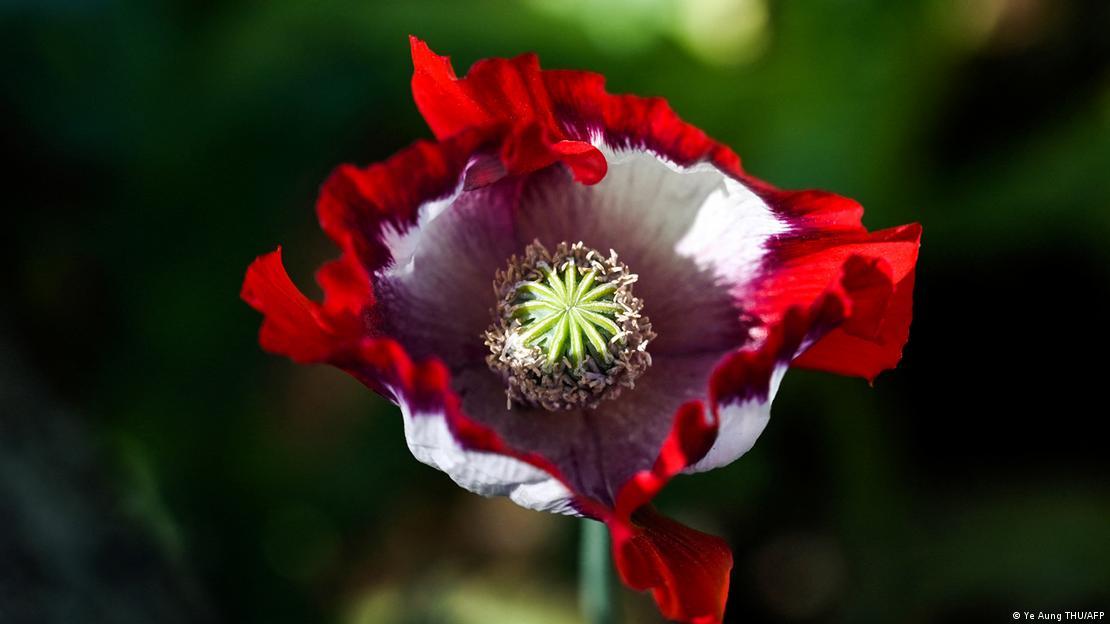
(156, 466)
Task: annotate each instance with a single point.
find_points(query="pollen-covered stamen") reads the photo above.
(567, 331)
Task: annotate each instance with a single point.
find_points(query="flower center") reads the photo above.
(567, 331)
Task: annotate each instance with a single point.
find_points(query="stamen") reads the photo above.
(567, 331)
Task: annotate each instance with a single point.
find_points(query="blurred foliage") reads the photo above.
(155, 148)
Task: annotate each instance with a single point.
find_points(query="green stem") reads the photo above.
(595, 575)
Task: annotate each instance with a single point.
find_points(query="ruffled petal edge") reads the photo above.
(506, 101)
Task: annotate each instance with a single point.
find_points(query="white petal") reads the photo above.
(489, 474)
(740, 424)
(729, 233)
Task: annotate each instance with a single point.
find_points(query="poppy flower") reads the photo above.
(574, 296)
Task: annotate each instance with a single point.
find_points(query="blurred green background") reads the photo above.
(156, 466)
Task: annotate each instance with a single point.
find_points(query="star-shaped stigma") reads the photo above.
(566, 315)
(567, 331)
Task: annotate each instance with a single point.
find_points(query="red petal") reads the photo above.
(346, 286)
(868, 283)
(495, 91)
(687, 571)
(440, 96)
(356, 204)
(507, 101)
(585, 161)
(876, 272)
(812, 210)
(585, 109)
(293, 325)
(745, 375)
(843, 353)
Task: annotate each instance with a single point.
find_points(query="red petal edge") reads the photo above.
(879, 273)
(687, 571)
(296, 327)
(506, 100)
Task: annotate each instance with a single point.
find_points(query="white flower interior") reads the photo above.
(695, 237)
